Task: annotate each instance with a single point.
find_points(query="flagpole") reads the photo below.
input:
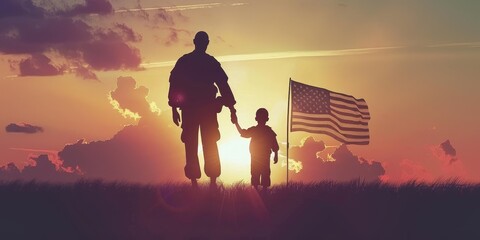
(288, 122)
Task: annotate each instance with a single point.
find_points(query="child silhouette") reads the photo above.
(263, 142)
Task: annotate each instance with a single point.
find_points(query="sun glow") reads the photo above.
(235, 159)
(235, 156)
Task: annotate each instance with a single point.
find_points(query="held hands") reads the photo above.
(175, 116)
(233, 115)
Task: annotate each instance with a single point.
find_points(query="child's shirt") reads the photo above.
(264, 140)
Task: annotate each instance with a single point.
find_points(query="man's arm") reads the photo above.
(176, 116)
(221, 80)
(226, 92)
(233, 115)
(175, 98)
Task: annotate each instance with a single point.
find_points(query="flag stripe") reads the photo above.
(345, 96)
(330, 118)
(354, 115)
(340, 116)
(352, 133)
(347, 119)
(355, 119)
(334, 135)
(360, 105)
(357, 134)
(353, 106)
(341, 107)
(330, 124)
(333, 132)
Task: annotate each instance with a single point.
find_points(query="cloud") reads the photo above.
(14, 8)
(104, 55)
(42, 169)
(174, 34)
(9, 172)
(102, 7)
(22, 128)
(448, 161)
(308, 148)
(160, 16)
(449, 150)
(406, 170)
(293, 165)
(85, 73)
(444, 164)
(131, 100)
(457, 44)
(164, 17)
(148, 152)
(39, 65)
(181, 7)
(139, 153)
(20, 8)
(125, 33)
(26, 28)
(342, 166)
(445, 152)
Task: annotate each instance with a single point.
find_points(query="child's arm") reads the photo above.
(246, 133)
(239, 129)
(275, 147)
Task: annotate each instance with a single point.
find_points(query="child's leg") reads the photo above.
(255, 180)
(265, 178)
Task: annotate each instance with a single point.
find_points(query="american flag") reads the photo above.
(340, 116)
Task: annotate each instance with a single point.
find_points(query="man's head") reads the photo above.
(261, 116)
(201, 41)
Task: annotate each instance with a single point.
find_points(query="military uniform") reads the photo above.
(193, 88)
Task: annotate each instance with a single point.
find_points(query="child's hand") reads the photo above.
(275, 159)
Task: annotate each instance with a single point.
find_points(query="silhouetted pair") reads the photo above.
(193, 89)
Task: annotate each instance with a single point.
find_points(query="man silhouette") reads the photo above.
(193, 89)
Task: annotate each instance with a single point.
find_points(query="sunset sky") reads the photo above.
(416, 63)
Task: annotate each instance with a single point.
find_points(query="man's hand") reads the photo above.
(233, 115)
(175, 116)
(275, 158)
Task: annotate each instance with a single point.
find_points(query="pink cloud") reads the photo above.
(22, 128)
(343, 165)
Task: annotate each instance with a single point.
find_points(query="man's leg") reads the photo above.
(210, 135)
(190, 139)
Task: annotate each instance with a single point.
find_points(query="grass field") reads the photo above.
(324, 210)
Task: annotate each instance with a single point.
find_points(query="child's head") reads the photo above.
(261, 116)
